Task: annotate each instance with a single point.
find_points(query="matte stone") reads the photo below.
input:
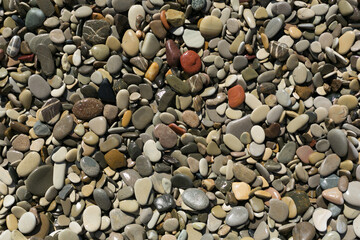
(40, 180)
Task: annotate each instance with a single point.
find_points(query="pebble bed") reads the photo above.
(186, 119)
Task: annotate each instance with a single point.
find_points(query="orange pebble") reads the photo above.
(126, 118)
(97, 16)
(169, 72)
(152, 71)
(163, 20)
(177, 129)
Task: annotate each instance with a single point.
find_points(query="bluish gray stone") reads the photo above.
(195, 198)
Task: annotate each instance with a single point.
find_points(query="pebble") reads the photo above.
(92, 218)
(179, 120)
(210, 27)
(237, 216)
(195, 198)
(27, 223)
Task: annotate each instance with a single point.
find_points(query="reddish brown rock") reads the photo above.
(167, 137)
(172, 53)
(272, 131)
(236, 96)
(87, 108)
(304, 152)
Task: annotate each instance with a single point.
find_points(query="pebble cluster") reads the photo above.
(186, 119)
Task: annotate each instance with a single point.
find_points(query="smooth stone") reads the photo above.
(63, 127)
(303, 231)
(210, 27)
(351, 195)
(34, 18)
(143, 189)
(237, 127)
(96, 31)
(193, 38)
(338, 142)
(195, 198)
(287, 153)
(320, 217)
(345, 8)
(150, 46)
(197, 5)
(135, 11)
(122, 6)
(333, 195)
(283, 98)
(83, 12)
(164, 203)
(102, 199)
(300, 74)
(89, 166)
(249, 18)
(142, 117)
(243, 173)
(40, 180)
(178, 85)
(345, 42)
(329, 165)
(297, 123)
(87, 108)
(273, 27)
(27, 223)
(92, 218)
(130, 43)
(28, 164)
(119, 219)
(14, 46)
(46, 59)
(278, 210)
(237, 216)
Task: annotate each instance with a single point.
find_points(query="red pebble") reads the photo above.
(250, 57)
(177, 129)
(26, 58)
(190, 62)
(236, 96)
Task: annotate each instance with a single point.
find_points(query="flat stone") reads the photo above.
(87, 108)
(329, 165)
(210, 27)
(320, 217)
(92, 218)
(338, 142)
(237, 216)
(96, 31)
(287, 153)
(195, 198)
(273, 27)
(243, 173)
(46, 59)
(89, 166)
(193, 38)
(102, 199)
(278, 211)
(27, 223)
(40, 180)
(303, 231)
(351, 195)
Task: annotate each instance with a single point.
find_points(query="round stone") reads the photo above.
(195, 198)
(190, 62)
